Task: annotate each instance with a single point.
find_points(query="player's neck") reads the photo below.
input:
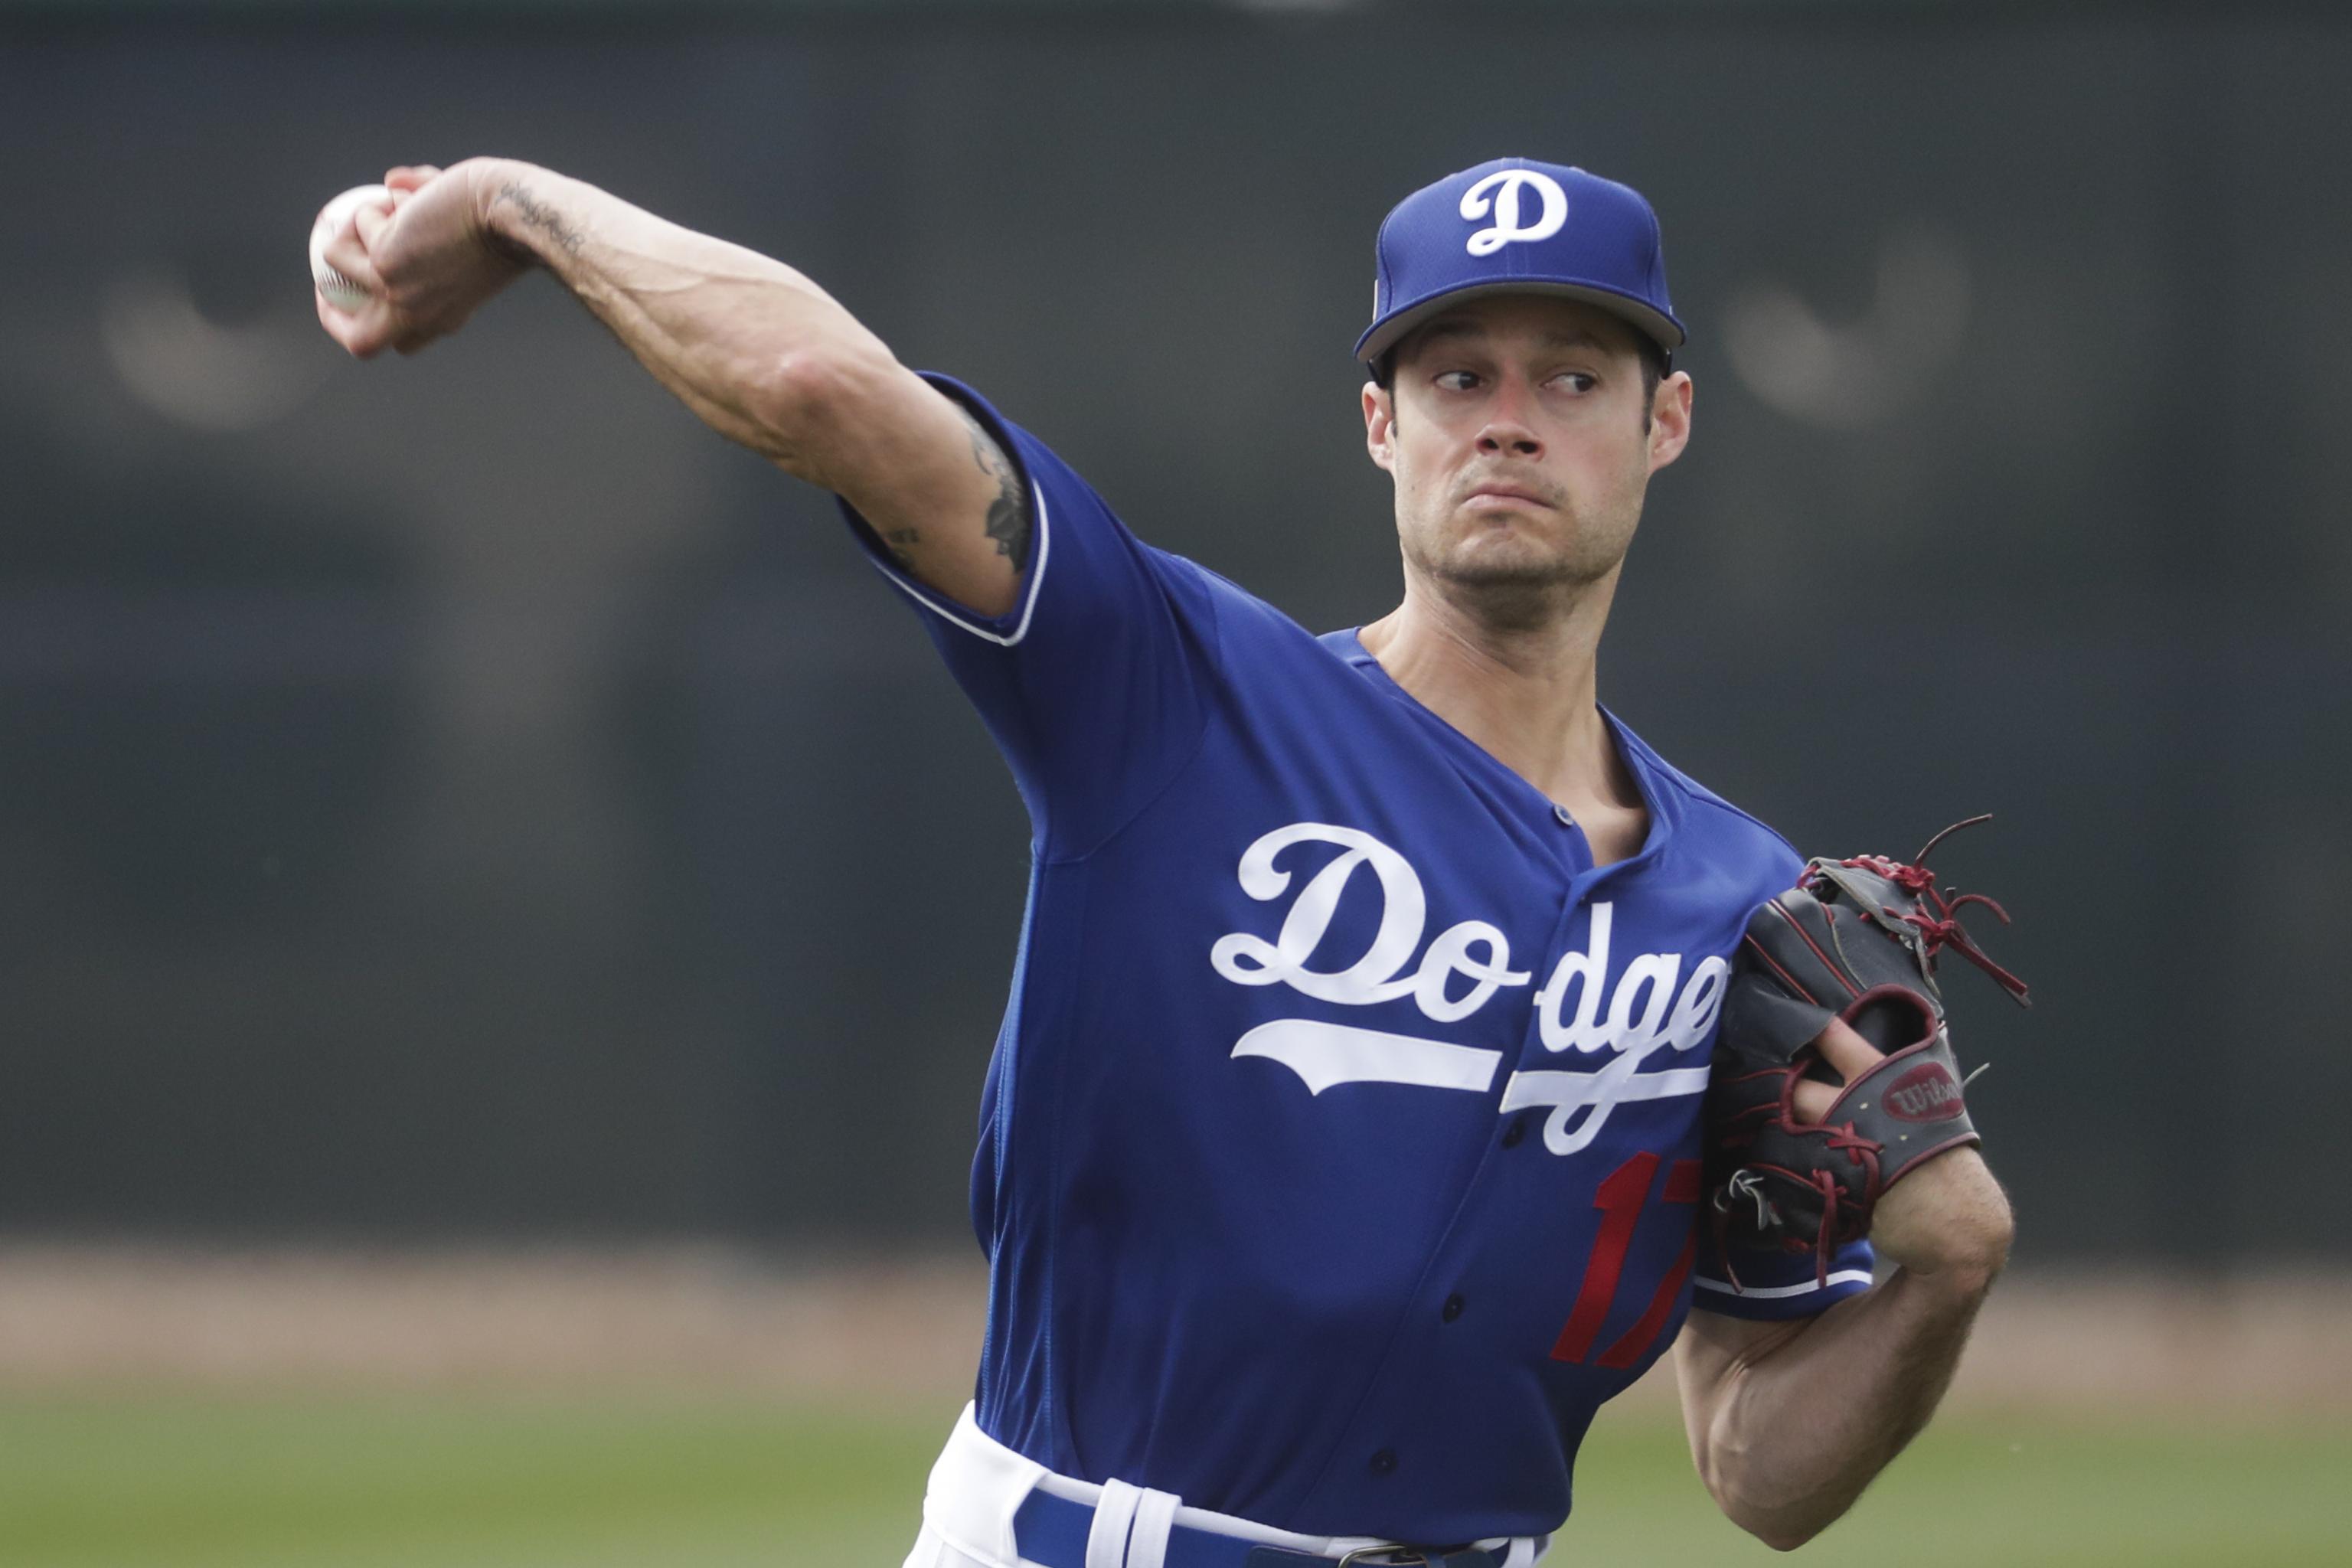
(1526, 691)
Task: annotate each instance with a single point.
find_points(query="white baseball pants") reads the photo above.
(978, 1485)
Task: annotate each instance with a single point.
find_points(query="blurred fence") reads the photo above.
(2260, 1350)
(462, 795)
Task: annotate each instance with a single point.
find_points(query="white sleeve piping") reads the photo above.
(956, 615)
(1783, 1292)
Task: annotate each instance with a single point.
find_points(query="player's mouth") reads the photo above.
(1500, 493)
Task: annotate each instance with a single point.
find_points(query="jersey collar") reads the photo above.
(1651, 774)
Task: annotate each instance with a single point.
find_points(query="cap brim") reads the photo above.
(1659, 327)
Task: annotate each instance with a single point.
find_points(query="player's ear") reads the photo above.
(1379, 425)
(1670, 419)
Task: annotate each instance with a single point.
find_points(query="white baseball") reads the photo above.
(342, 293)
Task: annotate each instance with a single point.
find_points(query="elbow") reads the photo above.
(1781, 1528)
(803, 401)
(1781, 1515)
(1783, 1540)
(802, 388)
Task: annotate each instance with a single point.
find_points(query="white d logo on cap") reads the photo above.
(1505, 205)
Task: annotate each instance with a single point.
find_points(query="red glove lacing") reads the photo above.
(1942, 928)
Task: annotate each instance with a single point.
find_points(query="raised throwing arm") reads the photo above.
(1789, 1421)
(757, 350)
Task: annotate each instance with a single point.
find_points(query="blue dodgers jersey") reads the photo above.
(1339, 1153)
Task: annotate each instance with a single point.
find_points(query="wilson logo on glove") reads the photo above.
(1925, 1093)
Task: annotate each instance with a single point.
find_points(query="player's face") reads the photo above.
(1514, 429)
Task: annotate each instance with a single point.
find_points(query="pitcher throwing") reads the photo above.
(1341, 1148)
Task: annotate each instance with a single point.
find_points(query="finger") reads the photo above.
(363, 328)
(337, 253)
(369, 223)
(409, 178)
(347, 253)
(1843, 1052)
(1846, 1051)
(361, 336)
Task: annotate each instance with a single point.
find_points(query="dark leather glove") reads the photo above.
(1856, 939)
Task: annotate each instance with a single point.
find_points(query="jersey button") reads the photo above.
(1384, 1461)
(1565, 820)
(1453, 1308)
(1517, 1130)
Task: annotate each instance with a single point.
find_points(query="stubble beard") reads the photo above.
(1522, 588)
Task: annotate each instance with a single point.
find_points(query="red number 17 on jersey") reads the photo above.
(1620, 1199)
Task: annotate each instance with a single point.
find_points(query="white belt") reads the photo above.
(978, 1485)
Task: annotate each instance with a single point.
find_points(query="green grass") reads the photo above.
(143, 1483)
(1991, 1493)
(514, 1485)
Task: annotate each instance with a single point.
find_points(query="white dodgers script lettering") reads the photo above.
(1247, 960)
(1611, 1032)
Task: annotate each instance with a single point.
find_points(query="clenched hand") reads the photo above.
(428, 263)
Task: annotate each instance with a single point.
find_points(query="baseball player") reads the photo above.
(1339, 1151)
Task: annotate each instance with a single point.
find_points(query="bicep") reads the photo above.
(939, 491)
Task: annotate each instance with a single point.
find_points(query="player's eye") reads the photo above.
(1457, 380)
(1577, 381)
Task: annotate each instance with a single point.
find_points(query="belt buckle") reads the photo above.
(1408, 1556)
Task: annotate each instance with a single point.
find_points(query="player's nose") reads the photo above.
(1509, 431)
(1508, 438)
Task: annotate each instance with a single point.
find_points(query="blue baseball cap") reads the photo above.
(1518, 226)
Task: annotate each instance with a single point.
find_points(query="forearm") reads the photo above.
(755, 349)
(1789, 1428)
(759, 353)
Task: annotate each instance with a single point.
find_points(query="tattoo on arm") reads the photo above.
(538, 215)
(1008, 514)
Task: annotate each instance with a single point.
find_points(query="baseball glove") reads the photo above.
(1856, 939)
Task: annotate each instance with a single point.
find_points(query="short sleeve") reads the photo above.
(1777, 1285)
(1093, 684)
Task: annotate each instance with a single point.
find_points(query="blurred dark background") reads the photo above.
(463, 797)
